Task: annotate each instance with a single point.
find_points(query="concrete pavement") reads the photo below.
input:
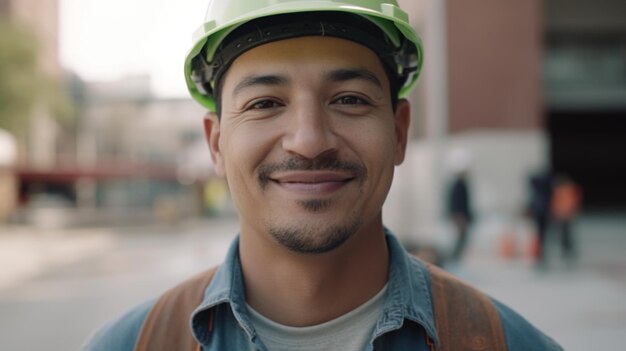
(581, 306)
(26, 251)
(56, 306)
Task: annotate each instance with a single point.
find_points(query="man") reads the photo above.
(540, 186)
(307, 129)
(459, 202)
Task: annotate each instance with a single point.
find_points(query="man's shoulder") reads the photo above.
(120, 334)
(521, 334)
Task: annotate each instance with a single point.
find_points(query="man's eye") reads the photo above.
(264, 104)
(351, 100)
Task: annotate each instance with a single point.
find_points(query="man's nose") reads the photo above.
(310, 132)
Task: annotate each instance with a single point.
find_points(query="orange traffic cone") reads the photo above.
(508, 246)
(534, 248)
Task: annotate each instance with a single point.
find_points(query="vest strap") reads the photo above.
(465, 318)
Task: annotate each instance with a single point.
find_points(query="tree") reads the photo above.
(22, 83)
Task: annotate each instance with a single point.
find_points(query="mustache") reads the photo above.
(326, 163)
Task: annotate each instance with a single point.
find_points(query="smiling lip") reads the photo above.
(312, 182)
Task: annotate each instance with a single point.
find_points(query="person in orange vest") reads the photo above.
(565, 206)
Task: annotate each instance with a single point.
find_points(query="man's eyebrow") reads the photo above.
(346, 74)
(269, 79)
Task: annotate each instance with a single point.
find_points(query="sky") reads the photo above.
(108, 39)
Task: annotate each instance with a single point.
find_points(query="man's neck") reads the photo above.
(308, 289)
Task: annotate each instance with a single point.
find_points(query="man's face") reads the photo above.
(308, 140)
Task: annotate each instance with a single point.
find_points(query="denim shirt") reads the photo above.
(405, 324)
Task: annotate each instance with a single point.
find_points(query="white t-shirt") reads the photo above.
(350, 332)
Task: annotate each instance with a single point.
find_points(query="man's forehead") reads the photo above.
(329, 58)
(332, 76)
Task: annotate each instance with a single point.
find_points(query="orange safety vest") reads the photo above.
(566, 200)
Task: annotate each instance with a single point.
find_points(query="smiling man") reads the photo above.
(307, 124)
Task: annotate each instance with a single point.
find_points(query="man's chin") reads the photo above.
(313, 239)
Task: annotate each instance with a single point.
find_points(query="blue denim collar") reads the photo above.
(408, 295)
(408, 292)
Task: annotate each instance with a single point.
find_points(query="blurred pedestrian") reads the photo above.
(459, 202)
(307, 123)
(540, 189)
(566, 202)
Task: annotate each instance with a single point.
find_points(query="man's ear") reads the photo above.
(212, 133)
(402, 121)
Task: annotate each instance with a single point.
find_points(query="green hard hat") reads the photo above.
(224, 17)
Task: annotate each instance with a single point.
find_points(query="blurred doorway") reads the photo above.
(584, 78)
(589, 145)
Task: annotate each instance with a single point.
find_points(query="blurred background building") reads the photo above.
(113, 152)
(522, 87)
(584, 83)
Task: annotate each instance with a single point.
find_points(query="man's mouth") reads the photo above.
(312, 182)
(324, 174)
